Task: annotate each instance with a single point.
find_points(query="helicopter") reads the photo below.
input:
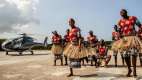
(21, 44)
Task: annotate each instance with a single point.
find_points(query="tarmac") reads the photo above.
(40, 67)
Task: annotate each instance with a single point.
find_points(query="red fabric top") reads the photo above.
(91, 39)
(116, 35)
(67, 38)
(73, 34)
(127, 25)
(102, 51)
(56, 39)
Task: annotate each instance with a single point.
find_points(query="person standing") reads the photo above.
(66, 43)
(139, 34)
(57, 48)
(116, 37)
(92, 44)
(75, 51)
(129, 40)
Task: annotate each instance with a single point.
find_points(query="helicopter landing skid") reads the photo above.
(21, 52)
(6, 52)
(32, 52)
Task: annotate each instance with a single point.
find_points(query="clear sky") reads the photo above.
(96, 15)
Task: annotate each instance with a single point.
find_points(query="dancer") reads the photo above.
(116, 37)
(66, 43)
(83, 49)
(139, 34)
(92, 45)
(75, 51)
(103, 57)
(129, 40)
(57, 48)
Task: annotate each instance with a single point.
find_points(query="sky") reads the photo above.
(41, 17)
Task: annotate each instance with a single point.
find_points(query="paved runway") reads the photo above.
(40, 67)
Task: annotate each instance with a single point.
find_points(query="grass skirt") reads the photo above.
(57, 49)
(66, 46)
(91, 51)
(74, 52)
(127, 42)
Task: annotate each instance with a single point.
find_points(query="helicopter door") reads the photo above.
(17, 43)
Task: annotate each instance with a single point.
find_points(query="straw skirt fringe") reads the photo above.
(57, 49)
(127, 42)
(92, 51)
(74, 52)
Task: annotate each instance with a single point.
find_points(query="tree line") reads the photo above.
(108, 43)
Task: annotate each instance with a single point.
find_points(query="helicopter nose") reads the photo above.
(4, 45)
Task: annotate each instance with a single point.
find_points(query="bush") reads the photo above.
(42, 47)
(108, 43)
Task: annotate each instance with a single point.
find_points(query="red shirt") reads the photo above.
(116, 35)
(102, 51)
(67, 38)
(56, 39)
(73, 34)
(127, 25)
(91, 39)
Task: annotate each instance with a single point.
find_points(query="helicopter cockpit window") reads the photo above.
(28, 39)
(18, 39)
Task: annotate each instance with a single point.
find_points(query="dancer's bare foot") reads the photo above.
(70, 75)
(129, 73)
